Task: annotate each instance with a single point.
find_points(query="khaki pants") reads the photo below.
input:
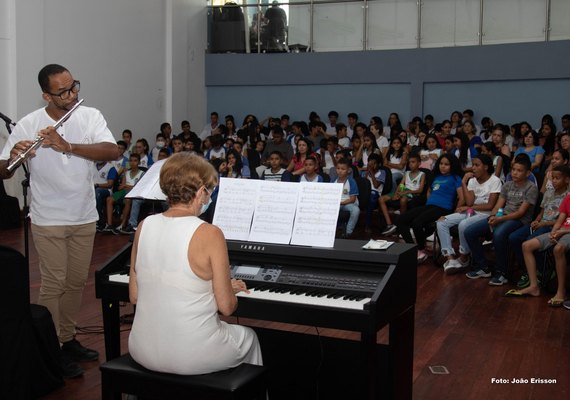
(65, 257)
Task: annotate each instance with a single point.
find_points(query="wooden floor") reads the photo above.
(466, 326)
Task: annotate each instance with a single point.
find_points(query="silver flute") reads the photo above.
(16, 162)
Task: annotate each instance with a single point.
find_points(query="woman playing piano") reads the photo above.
(180, 280)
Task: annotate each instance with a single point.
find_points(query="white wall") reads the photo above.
(122, 51)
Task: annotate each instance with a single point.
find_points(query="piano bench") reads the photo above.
(125, 375)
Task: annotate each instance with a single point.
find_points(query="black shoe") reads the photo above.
(74, 350)
(69, 368)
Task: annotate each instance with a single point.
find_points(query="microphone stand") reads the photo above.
(26, 211)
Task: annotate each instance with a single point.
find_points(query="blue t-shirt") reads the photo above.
(444, 191)
(531, 154)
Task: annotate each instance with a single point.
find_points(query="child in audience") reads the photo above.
(430, 152)
(311, 168)
(489, 149)
(163, 154)
(275, 172)
(377, 177)
(500, 137)
(129, 180)
(475, 141)
(236, 169)
(559, 157)
(342, 135)
(368, 148)
(142, 149)
(481, 190)
(558, 238)
(104, 176)
(177, 146)
(217, 150)
(120, 163)
(160, 144)
(545, 220)
(462, 151)
(408, 194)
(444, 191)
(349, 197)
(517, 200)
(327, 154)
(396, 160)
(449, 146)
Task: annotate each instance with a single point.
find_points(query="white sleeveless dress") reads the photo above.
(176, 327)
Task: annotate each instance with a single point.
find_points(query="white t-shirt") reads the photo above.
(483, 191)
(61, 185)
(382, 142)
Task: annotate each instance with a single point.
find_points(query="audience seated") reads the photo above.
(349, 197)
(274, 149)
(445, 192)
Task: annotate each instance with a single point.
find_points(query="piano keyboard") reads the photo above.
(308, 296)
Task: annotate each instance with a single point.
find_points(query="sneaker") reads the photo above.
(451, 267)
(69, 368)
(431, 237)
(397, 212)
(523, 282)
(465, 263)
(116, 230)
(498, 279)
(389, 230)
(99, 227)
(127, 230)
(108, 228)
(566, 304)
(422, 256)
(480, 273)
(76, 352)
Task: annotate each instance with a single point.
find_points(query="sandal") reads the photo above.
(553, 302)
(516, 293)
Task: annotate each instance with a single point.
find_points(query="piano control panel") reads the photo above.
(339, 280)
(269, 273)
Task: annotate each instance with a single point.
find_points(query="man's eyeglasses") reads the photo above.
(66, 94)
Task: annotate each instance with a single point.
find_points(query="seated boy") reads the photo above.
(545, 219)
(349, 198)
(377, 177)
(276, 172)
(410, 193)
(517, 198)
(128, 181)
(311, 166)
(558, 238)
(104, 176)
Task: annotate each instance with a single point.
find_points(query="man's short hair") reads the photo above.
(565, 116)
(428, 117)
(277, 130)
(563, 169)
(135, 155)
(128, 131)
(214, 113)
(344, 161)
(185, 123)
(46, 72)
(163, 126)
(353, 116)
(285, 116)
(122, 143)
(333, 114)
(468, 112)
(339, 127)
(277, 153)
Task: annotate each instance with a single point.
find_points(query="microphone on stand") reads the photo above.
(7, 120)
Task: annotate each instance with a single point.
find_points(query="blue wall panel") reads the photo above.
(299, 100)
(506, 102)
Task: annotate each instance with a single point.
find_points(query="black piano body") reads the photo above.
(392, 302)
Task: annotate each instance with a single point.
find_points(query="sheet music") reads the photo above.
(148, 187)
(318, 205)
(235, 206)
(274, 212)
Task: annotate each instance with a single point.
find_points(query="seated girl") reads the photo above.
(481, 190)
(397, 159)
(444, 191)
(490, 150)
(430, 152)
(180, 280)
(559, 157)
(410, 193)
